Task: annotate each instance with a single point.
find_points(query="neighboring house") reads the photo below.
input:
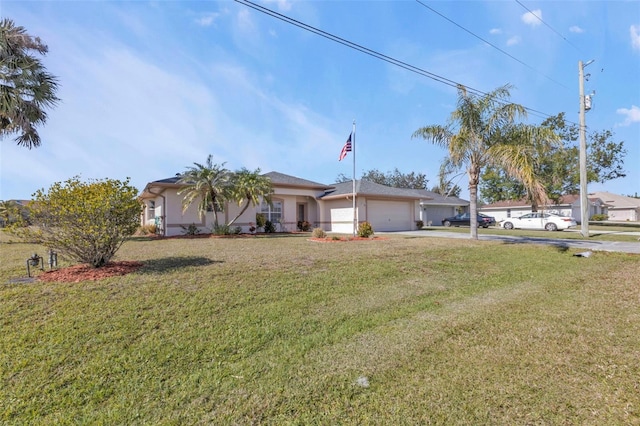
(619, 207)
(436, 207)
(384, 207)
(329, 207)
(567, 205)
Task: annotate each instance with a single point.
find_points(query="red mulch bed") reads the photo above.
(77, 273)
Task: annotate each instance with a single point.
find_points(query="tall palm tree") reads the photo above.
(208, 183)
(482, 131)
(248, 188)
(26, 88)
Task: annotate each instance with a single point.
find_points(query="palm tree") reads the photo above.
(250, 187)
(482, 131)
(26, 88)
(209, 183)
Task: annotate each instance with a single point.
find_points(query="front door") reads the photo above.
(301, 213)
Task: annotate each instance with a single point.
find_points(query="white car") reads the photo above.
(540, 220)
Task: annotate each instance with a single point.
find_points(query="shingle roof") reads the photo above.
(437, 199)
(616, 201)
(276, 178)
(282, 179)
(168, 180)
(365, 187)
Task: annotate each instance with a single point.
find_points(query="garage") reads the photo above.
(387, 216)
(435, 214)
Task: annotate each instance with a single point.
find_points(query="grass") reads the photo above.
(287, 331)
(596, 233)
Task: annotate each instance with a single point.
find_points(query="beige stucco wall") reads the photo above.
(170, 209)
(290, 206)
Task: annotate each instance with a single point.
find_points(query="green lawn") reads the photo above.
(281, 330)
(596, 233)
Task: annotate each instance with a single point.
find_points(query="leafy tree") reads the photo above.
(247, 188)
(559, 168)
(86, 222)
(481, 131)
(13, 214)
(208, 183)
(395, 179)
(26, 88)
(497, 186)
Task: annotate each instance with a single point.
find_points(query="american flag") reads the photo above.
(346, 148)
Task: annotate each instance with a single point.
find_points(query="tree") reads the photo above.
(26, 88)
(13, 214)
(482, 131)
(86, 222)
(395, 179)
(248, 188)
(209, 183)
(558, 168)
(445, 184)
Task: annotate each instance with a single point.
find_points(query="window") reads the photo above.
(273, 212)
(152, 208)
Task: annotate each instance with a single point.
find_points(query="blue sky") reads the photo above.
(149, 88)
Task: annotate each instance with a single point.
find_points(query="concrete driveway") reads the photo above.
(615, 246)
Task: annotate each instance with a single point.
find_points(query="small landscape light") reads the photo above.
(34, 260)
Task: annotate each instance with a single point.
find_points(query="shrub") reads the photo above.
(419, 224)
(13, 214)
(149, 229)
(318, 233)
(261, 220)
(599, 217)
(269, 227)
(304, 226)
(365, 230)
(190, 230)
(84, 221)
(220, 230)
(236, 230)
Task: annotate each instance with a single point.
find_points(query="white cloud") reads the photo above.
(283, 5)
(513, 41)
(632, 115)
(244, 22)
(532, 18)
(495, 31)
(635, 36)
(207, 19)
(576, 29)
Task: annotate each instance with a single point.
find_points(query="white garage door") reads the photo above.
(389, 215)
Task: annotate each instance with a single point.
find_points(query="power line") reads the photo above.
(490, 44)
(374, 53)
(549, 26)
(356, 46)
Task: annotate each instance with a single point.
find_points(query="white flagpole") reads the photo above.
(353, 190)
